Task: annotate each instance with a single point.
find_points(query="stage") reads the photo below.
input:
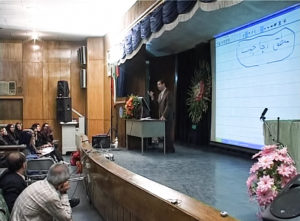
(215, 177)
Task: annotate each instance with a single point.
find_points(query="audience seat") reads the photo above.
(37, 169)
(4, 212)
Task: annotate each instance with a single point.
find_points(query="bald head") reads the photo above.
(15, 161)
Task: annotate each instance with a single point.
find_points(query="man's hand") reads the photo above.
(151, 94)
(63, 188)
(162, 118)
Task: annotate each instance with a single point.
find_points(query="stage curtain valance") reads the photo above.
(163, 18)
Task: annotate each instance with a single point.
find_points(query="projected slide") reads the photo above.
(257, 67)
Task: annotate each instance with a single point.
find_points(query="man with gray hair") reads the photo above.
(46, 199)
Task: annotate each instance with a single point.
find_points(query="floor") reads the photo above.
(215, 177)
(84, 211)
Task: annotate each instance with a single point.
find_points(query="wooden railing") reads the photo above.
(121, 195)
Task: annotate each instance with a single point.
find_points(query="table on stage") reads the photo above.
(289, 135)
(145, 128)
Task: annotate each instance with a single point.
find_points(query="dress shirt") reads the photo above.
(41, 202)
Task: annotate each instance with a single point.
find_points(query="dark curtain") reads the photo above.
(121, 90)
(187, 62)
(132, 75)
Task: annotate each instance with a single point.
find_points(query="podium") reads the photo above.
(68, 136)
(289, 135)
(145, 129)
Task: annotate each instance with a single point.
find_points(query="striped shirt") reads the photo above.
(41, 202)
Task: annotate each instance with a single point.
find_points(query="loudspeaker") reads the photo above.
(62, 89)
(101, 141)
(63, 109)
(286, 206)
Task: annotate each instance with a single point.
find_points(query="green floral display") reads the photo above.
(199, 93)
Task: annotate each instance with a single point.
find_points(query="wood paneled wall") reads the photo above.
(98, 89)
(37, 71)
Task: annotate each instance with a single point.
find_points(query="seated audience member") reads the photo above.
(10, 128)
(13, 182)
(46, 199)
(46, 140)
(36, 128)
(18, 130)
(27, 137)
(46, 135)
(3, 138)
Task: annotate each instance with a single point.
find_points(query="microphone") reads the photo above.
(263, 114)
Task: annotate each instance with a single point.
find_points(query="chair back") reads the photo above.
(37, 169)
(4, 212)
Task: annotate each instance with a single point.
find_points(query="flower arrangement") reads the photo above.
(273, 170)
(132, 107)
(199, 93)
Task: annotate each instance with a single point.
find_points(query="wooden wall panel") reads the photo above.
(11, 51)
(95, 126)
(78, 94)
(95, 89)
(53, 72)
(95, 49)
(51, 52)
(37, 72)
(33, 88)
(31, 53)
(98, 89)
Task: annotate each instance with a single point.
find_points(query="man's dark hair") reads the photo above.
(161, 81)
(15, 161)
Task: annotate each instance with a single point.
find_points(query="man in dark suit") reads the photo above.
(164, 101)
(13, 182)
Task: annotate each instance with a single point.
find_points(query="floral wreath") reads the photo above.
(199, 93)
(132, 107)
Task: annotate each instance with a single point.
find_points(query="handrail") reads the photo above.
(8, 147)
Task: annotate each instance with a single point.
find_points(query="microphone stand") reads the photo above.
(270, 133)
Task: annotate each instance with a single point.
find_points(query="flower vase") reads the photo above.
(261, 210)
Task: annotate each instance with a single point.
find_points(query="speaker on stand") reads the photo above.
(63, 102)
(62, 89)
(64, 109)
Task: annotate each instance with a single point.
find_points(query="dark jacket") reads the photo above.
(165, 106)
(12, 184)
(3, 141)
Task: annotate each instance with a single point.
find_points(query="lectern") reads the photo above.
(145, 128)
(68, 136)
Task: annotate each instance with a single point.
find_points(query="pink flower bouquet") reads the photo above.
(273, 170)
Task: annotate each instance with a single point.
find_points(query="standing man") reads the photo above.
(165, 113)
(46, 199)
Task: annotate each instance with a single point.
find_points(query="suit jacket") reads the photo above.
(165, 105)
(12, 184)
